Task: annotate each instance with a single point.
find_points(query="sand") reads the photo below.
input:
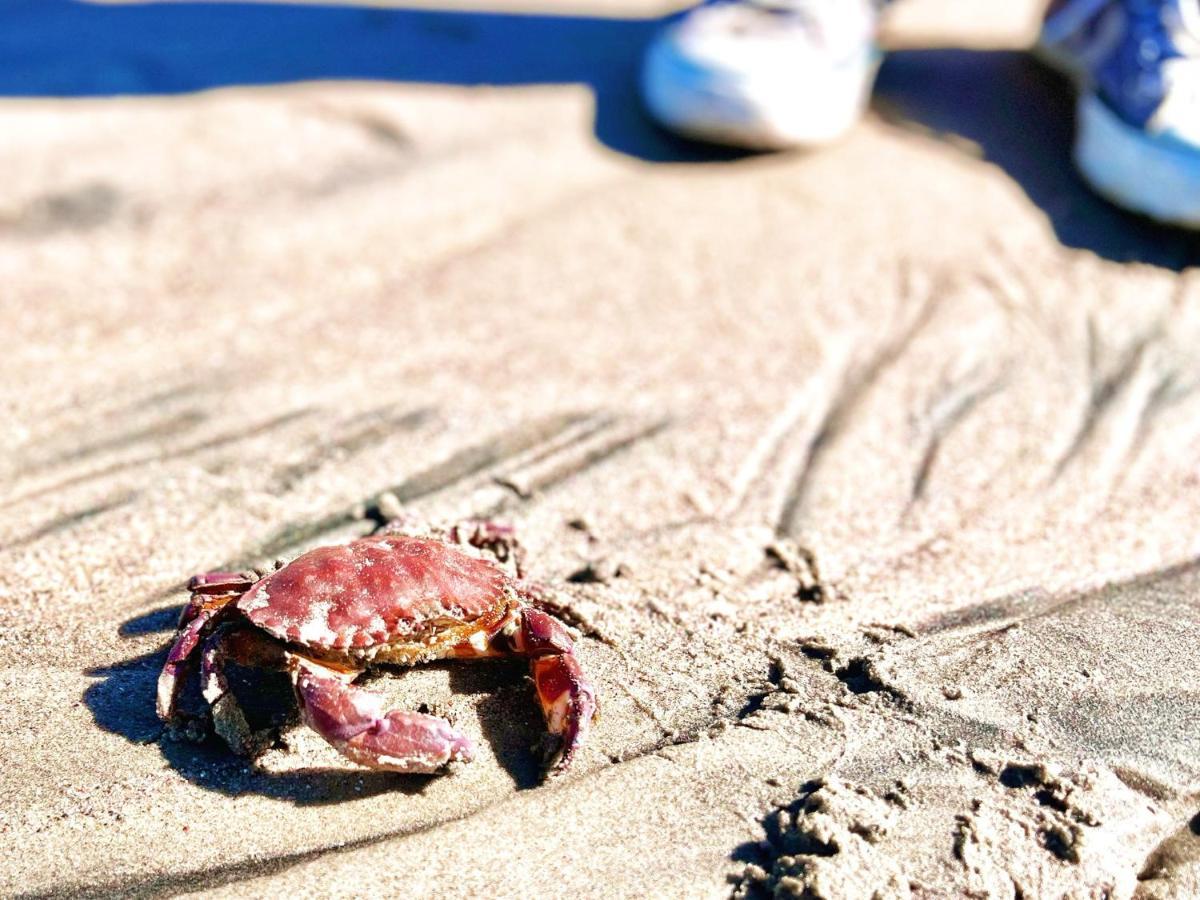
(869, 476)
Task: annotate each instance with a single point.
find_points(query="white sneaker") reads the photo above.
(764, 74)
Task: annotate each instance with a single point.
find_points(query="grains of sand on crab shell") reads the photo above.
(372, 591)
(315, 631)
(260, 600)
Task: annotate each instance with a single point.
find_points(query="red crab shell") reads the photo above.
(375, 591)
(393, 599)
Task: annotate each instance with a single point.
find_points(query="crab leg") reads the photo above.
(566, 695)
(233, 583)
(354, 721)
(500, 540)
(564, 692)
(497, 539)
(211, 593)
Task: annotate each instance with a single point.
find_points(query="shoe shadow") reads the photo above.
(68, 48)
(1021, 116)
(122, 701)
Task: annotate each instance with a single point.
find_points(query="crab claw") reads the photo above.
(566, 695)
(212, 593)
(354, 722)
(568, 703)
(197, 618)
(178, 657)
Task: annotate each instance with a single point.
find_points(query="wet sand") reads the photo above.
(870, 475)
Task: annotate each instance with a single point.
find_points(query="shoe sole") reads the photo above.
(1146, 174)
(723, 109)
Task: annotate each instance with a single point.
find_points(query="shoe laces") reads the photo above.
(1172, 27)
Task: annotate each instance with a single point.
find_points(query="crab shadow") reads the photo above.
(69, 48)
(1012, 111)
(122, 701)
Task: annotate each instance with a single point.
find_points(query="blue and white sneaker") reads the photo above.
(1137, 64)
(764, 74)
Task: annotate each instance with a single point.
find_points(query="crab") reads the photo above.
(396, 598)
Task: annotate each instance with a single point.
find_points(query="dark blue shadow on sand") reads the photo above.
(1021, 117)
(122, 701)
(66, 48)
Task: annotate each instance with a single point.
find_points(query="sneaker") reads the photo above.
(1137, 64)
(764, 74)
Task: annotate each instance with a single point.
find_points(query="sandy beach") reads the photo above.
(869, 477)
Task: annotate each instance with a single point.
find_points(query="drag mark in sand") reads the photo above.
(116, 405)
(948, 413)
(82, 208)
(458, 467)
(1168, 391)
(588, 451)
(69, 520)
(996, 617)
(162, 430)
(215, 876)
(1173, 859)
(520, 477)
(1104, 387)
(374, 426)
(856, 385)
(376, 126)
(221, 440)
(377, 510)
